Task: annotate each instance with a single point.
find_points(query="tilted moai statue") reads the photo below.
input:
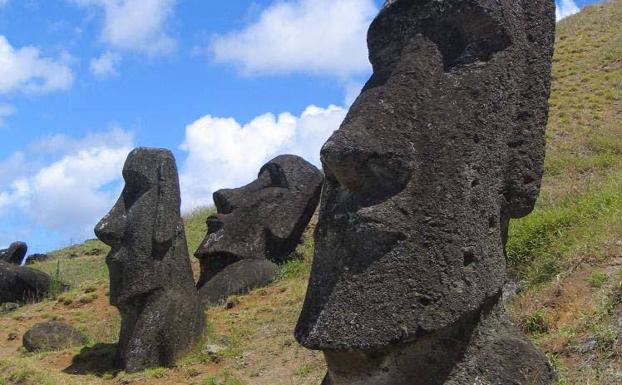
(256, 227)
(15, 254)
(151, 281)
(444, 145)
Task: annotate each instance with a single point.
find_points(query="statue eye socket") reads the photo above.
(468, 37)
(136, 185)
(274, 175)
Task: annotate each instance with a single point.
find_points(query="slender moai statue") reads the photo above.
(151, 280)
(442, 148)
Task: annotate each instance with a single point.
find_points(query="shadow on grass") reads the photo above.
(98, 360)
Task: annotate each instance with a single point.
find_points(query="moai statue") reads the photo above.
(151, 281)
(15, 254)
(256, 227)
(442, 148)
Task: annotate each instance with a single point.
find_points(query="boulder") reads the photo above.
(36, 258)
(52, 335)
(442, 148)
(8, 307)
(15, 253)
(263, 220)
(151, 281)
(22, 284)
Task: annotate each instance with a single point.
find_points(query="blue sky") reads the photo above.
(226, 85)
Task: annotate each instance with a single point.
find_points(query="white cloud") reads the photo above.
(106, 65)
(566, 8)
(72, 193)
(6, 110)
(223, 153)
(25, 70)
(135, 25)
(302, 36)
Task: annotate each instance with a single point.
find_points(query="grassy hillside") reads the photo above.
(567, 257)
(568, 253)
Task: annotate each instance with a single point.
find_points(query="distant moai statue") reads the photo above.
(256, 227)
(15, 254)
(151, 280)
(442, 148)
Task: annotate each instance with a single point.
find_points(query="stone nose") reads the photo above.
(111, 228)
(225, 200)
(377, 173)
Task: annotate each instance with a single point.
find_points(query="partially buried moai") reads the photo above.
(256, 227)
(151, 281)
(442, 148)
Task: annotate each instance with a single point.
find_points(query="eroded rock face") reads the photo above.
(15, 253)
(444, 145)
(262, 221)
(22, 284)
(151, 280)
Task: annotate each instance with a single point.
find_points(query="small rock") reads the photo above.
(12, 336)
(213, 351)
(587, 345)
(52, 335)
(510, 290)
(94, 251)
(35, 258)
(8, 307)
(232, 302)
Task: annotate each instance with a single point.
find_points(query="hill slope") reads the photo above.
(567, 257)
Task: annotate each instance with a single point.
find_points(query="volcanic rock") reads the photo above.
(52, 335)
(22, 284)
(36, 258)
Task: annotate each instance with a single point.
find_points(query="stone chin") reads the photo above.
(126, 286)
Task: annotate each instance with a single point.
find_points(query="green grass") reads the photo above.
(196, 227)
(542, 243)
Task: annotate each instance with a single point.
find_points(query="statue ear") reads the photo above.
(167, 207)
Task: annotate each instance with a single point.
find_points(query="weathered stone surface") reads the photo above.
(444, 145)
(237, 278)
(151, 280)
(22, 284)
(262, 220)
(52, 335)
(36, 258)
(15, 253)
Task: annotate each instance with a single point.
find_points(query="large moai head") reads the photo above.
(262, 220)
(151, 281)
(144, 228)
(444, 145)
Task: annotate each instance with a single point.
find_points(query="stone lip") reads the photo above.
(260, 223)
(22, 284)
(52, 335)
(442, 148)
(15, 253)
(151, 280)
